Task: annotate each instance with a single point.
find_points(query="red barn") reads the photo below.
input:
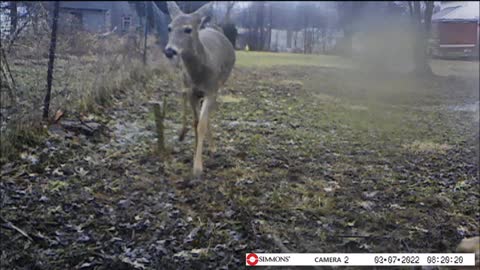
(455, 30)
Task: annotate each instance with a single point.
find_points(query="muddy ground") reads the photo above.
(309, 159)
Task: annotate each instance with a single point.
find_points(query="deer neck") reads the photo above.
(195, 60)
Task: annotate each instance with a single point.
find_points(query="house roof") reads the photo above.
(458, 11)
(90, 5)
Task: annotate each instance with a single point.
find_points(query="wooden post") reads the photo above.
(159, 111)
(51, 59)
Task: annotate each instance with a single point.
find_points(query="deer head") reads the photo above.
(184, 28)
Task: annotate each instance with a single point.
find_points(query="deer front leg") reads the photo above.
(202, 129)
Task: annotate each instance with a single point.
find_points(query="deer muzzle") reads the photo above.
(169, 52)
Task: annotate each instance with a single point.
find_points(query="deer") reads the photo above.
(207, 58)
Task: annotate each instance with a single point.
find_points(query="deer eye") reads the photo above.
(188, 30)
(169, 29)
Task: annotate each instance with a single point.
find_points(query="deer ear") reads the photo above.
(173, 9)
(204, 21)
(205, 10)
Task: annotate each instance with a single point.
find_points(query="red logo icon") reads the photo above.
(252, 259)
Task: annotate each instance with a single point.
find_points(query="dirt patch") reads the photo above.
(427, 147)
(231, 99)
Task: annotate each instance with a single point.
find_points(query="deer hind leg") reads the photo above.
(202, 129)
(210, 140)
(185, 95)
(195, 102)
(184, 129)
(212, 147)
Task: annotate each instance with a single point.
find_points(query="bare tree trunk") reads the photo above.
(35, 19)
(51, 59)
(145, 35)
(270, 28)
(313, 42)
(260, 25)
(324, 41)
(348, 42)
(246, 19)
(428, 17)
(230, 5)
(295, 39)
(7, 78)
(422, 30)
(13, 17)
(306, 32)
(253, 29)
(289, 38)
(305, 40)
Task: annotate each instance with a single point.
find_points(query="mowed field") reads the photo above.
(315, 154)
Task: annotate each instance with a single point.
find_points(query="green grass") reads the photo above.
(268, 59)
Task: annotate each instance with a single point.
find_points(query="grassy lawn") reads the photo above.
(268, 59)
(456, 68)
(312, 157)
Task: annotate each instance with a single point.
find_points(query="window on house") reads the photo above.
(126, 23)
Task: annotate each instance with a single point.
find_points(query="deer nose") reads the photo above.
(169, 52)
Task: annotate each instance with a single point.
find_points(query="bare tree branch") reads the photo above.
(15, 35)
(9, 225)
